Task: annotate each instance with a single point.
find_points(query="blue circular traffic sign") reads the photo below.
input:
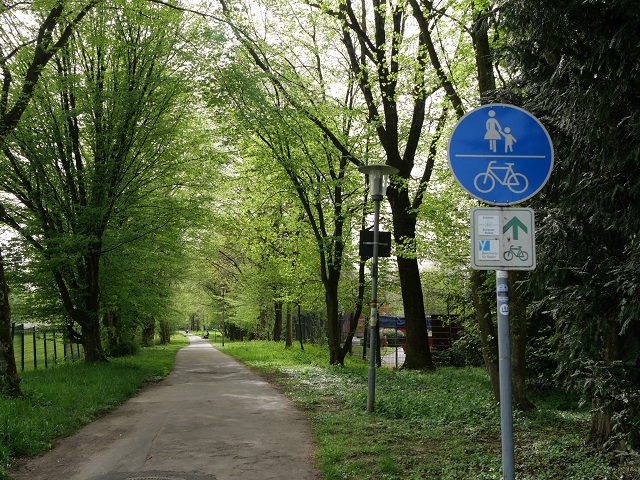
(500, 154)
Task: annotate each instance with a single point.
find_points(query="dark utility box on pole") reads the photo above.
(366, 244)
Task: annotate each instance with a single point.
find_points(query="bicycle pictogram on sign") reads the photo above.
(516, 252)
(485, 182)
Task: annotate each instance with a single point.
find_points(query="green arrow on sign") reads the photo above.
(515, 223)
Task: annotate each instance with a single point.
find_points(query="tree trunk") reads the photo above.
(91, 341)
(483, 56)
(262, 321)
(83, 313)
(518, 302)
(333, 323)
(9, 379)
(346, 348)
(418, 352)
(165, 336)
(112, 329)
(300, 332)
(404, 227)
(604, 408)
(148, 332)
(488, 335)
(482, 299)
(289, 329)
(277, 327)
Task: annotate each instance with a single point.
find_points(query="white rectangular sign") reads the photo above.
(503, 238)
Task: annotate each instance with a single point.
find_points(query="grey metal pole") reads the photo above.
(504, 364)
(377, 187)
(373, 319)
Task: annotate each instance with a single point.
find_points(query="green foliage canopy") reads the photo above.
(578, 71)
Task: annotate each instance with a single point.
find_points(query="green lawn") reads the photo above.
(441, 425)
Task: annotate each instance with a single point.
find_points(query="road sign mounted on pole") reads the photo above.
(503, 239)
(500, 154)
(366, 244)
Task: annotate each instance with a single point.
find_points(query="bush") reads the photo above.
(392, 333)
(124, 349)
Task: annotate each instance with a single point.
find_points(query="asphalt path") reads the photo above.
(211, 418)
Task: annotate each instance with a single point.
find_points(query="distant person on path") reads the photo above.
(494, 131)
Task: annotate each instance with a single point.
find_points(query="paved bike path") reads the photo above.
(210, 419)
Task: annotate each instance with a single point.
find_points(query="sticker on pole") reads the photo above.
(500, 154)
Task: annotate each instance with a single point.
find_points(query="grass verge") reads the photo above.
(440, 425)
(58, 401)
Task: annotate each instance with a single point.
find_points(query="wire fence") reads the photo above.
(40, 347)
(392, 349)
(442, 330)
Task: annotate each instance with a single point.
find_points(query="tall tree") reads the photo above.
(390, 69)
(92, 149)
(383, 54)
(24, 52)
(316, 173)
(577, 64)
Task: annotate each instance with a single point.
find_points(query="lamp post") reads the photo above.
(223, 290)
(378, 180)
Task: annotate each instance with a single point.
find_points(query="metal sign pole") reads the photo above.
(501, 155)
(504, 364)
(378, 176)
(373, 319)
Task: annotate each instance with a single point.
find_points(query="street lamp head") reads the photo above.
(378, 178)
(223, 290)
